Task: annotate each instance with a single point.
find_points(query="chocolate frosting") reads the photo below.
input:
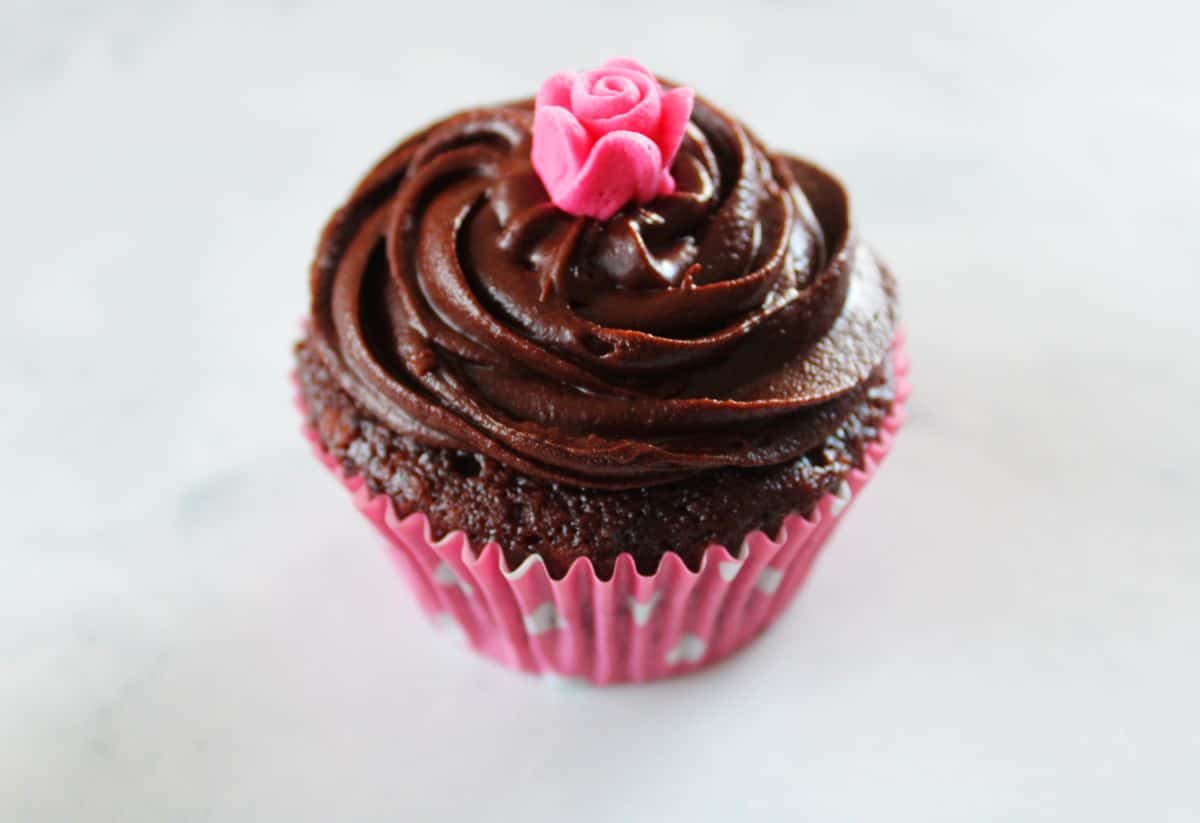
(731, 323)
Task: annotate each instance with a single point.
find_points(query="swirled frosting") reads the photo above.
(732, 322)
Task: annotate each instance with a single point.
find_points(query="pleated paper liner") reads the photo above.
(631, 627)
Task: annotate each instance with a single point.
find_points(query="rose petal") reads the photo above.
(556, 90)
(622, 166)
(630, 102)
(666, 184)
(589, 103)
(608, 136)
(676, 111)
(560, 147)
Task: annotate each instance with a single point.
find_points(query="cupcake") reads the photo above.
(603, 370)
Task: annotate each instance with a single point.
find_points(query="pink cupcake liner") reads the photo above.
(631, 627)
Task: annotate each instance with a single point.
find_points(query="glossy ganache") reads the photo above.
(732, 323)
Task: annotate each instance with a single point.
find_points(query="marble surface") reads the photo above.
(194, 625)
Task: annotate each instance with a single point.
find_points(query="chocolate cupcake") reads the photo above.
(603, 369)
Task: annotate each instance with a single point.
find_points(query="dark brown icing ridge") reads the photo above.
(725, 325)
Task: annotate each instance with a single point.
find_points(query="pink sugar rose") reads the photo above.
(605, 137)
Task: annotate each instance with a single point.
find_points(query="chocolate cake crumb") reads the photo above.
(525, 515)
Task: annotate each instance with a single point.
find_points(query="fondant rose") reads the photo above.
(605, 137)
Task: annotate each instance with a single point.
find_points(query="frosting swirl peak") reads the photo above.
(731, 322)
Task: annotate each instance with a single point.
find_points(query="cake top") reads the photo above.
(613, 286)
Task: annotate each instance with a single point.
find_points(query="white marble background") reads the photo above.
(195, 627)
